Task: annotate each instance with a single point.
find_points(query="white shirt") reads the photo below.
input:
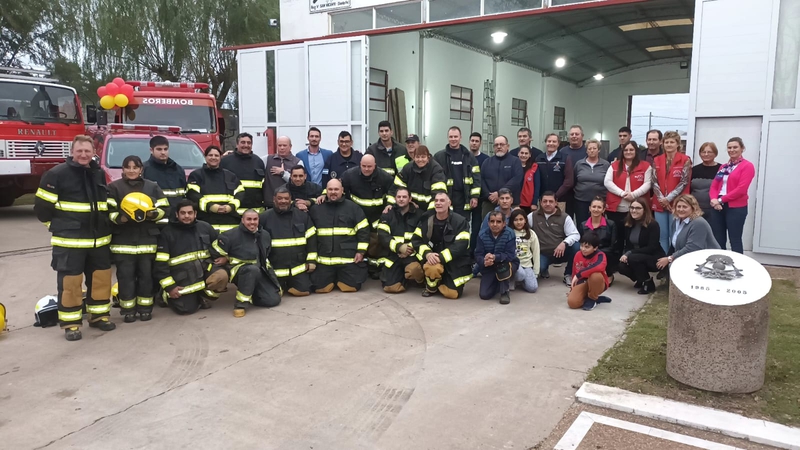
(724, 190)
(679, 224)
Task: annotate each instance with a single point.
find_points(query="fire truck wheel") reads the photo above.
(7, 199)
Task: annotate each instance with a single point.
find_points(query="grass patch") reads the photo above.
(26, 199)
(638, 363)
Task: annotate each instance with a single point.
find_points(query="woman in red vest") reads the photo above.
(530, 182)
(626, 180)
(672, 177)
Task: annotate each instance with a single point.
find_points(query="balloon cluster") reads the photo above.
(117, 93)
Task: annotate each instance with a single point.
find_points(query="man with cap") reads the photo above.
(412, 142)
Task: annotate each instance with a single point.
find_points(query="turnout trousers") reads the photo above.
(444, 283)
(397, 272)
(71, 266)
(254, 287)
(297, 285)
(347, 277)
(189, 302)
(136, 285)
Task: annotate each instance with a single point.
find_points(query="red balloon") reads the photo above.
(101, 91)
(127, 91)
(112, 89)
(119, 81)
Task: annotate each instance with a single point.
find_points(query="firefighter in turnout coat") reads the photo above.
(135, 205)
(184, 268)
(216, 191)
(342, 240)
(247, 248)
(72, 202)
(442, 244)
(395, 231)
(294, 243)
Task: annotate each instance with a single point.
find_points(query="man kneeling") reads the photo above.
(442, 244)
(246, 249)
(496, 256)
(394, 232)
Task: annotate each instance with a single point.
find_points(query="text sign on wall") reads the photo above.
(318, 6)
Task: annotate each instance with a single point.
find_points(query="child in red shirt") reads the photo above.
(589, 278)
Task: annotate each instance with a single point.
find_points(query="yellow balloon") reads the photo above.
(121, 100)
(107, 102)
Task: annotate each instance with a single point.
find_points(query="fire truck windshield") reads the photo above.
(185, 152)
(35, 103)
(191, 118)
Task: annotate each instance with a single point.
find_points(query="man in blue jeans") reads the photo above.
(558, 236)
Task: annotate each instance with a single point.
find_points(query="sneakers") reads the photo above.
(505, 298)
(129, 318)
(568, 279)
(603, 299)
(103, 324)
(589, 304)
(73, 334)
(144, 317)
(545, 274)
(648, 287)
(239, 312)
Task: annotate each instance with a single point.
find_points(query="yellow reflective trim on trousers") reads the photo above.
(362, 224)
(333, 261)
(310, 232)
(367, 201)
(338, 231)
(388, 263)
(289, 242)
(439, 186)
(214, 198)
(223, 228)
(47, 195)
(127, 304)
(460, 281)
(80, 207)
(363, 246)
(252, 184)
(210, 293)
(167, 282)
(70, 316)
(447, 255)
(187, 257)
(98, 309)
(219, 249)
(464, 235)
(144, 301)
(243, 298)
(80, 243)
(162, 257)
(133, 249)
(399, 182)
(171, 193)
(193, 187)
(282, 273)
(199, 286)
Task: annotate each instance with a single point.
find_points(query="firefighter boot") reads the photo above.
(145, 316)
(297, 293)
(395, 288)
(73, 334)
(345, 287)
(452, 294)
(326, 289)
(103, 324)
(239, 312)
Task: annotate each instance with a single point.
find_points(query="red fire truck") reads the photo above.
(38, 120)
(185, 105)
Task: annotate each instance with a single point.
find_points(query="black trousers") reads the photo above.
(639, 266)
(619, 222)
(255, 287)
(71, 266)
(396, 273)
(353, 275)
(300, 282)
(190, 303)
(136, 285)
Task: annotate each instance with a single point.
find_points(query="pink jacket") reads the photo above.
(738, 182)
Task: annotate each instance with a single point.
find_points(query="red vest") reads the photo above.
(667, 182)
(637, 180)
(528, 195)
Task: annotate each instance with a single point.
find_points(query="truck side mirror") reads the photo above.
(91, 114)
(221, 126)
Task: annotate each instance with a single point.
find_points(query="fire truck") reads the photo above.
(38, 120)
(185, 105)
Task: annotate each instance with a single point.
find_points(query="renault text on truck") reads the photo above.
(38, 120)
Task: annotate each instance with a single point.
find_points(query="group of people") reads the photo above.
(322, 220)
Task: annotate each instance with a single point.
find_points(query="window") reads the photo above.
(352, 21)
(519, 112)
(460, 103)
(398, 15)
(501, 6)
(378, 87)
(453, 9)
(560, 118)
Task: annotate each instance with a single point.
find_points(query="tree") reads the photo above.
(163, 40)
(25, 31)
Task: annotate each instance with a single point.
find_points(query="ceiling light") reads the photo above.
(499, 36)
(656, 24)
(661, 48)
(561, 62)
(599, 77)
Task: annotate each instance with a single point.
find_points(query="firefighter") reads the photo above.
(294, 242)
(442, 244)
(342, 240)
(389, 154)
(423, 178)
(165, 172)
(246, 249)
(216, 191)
(369, 189)
(72, 201)
(135, 204)
(463, 174)
(249, 169)
(304, 193)
(395, 231)
(184, 268)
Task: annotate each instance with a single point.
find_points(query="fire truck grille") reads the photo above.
(36, 149)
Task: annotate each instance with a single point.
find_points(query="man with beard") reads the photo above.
(304, 193)
(249, 169)
(524, 138)
(395, 231)
(463, 174)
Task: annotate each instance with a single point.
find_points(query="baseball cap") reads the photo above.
(412, 138)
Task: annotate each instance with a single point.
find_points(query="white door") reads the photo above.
(293, 87)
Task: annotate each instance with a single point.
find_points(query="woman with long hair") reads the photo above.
(606, 230)
(729, 197)
(641, 249)
(671, 178)
(217, 192)
(692, 232)
(527, 251)
(531, 181)
(627, 179)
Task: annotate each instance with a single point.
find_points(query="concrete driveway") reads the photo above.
(337, 371)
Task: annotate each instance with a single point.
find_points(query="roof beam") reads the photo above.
(586, 41)
(624, 36)
(630, 67)
(662, 33)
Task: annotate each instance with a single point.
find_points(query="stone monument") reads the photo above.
(718, 321)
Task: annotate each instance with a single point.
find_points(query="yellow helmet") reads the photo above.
(136, 205)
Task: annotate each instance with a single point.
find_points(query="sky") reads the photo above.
(670, 112)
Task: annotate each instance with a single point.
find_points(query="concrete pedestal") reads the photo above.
(718, 321)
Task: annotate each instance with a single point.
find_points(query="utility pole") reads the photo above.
(650, 121)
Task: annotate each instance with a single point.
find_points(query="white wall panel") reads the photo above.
(253, 81)
(290, 67)
(779, 214)
(329, 82)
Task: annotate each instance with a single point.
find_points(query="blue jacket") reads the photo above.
(326, 155)
(499, 172)
(503, 247)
